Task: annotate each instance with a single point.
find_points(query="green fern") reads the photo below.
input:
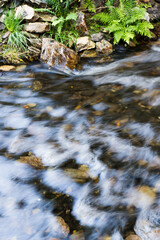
(125, 21)
(65, 29)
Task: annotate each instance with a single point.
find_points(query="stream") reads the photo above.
(80, 150)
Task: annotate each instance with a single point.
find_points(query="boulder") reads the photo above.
(104, 47)
(84, 43)
(96, 37)
(26, 12)
(57, 54)
(81, 24)
(37, 27)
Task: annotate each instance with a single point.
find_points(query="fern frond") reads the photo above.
(71, 16)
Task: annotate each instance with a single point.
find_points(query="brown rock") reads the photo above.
(37, 27)
(64, 226)
(104, 47)
(84, 43)
(81, 24)
(32, 160)
(89, 54)
(46, 17)
(7, 68)
(133, 237)
(57, 54)
(26, 12)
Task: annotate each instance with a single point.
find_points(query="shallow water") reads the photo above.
(102, 122)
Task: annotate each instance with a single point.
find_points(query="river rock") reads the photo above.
(7, 68)
(84, 43)
(104, 47)
(97, 37)
(133, 237)
(37, 27)
(89, 54)
(46, 17)
(81, 24)
(55, 53)
(26, 12)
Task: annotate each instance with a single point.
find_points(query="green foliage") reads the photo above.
(65, 29)
(17, 38)
(125, 21)
(109, 3)
(90, 6)
(59, 7)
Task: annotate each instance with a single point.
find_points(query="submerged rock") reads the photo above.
(27, 13)
(148, 225)
(32, 160)
(84, 43)
(133, 237)
(57, 54)
(37, 27)
(79, 235)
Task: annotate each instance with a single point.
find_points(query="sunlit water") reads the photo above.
(104, 116)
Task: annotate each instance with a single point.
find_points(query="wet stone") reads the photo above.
(77, 235)
(133, 237)
(7, 68)
(32, 160)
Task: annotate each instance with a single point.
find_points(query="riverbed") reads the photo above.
(80, 150)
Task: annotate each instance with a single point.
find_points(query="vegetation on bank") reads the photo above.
(123, 21)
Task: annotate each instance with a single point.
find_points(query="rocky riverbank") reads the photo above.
(41, 45)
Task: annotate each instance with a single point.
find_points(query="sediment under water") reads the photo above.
(80, 150)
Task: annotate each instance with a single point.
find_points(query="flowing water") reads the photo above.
(80, 150)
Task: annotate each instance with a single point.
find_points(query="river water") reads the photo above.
(80, 150)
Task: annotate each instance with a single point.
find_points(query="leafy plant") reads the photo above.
(125, 21)
(59, 7)
(61, 26)
(90, 6)
(17, 38)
